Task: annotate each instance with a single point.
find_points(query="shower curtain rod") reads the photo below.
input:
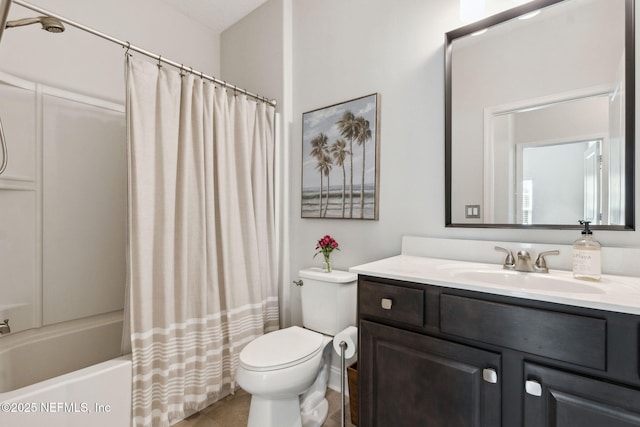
(132, 47)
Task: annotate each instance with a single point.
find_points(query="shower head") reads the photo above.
(51, 24)
(48, 23)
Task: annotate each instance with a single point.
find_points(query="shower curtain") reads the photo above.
(202, 267)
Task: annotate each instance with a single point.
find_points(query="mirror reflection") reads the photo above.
(536, 118)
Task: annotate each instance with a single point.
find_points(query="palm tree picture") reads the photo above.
(319, 152)
(340, 153)
(340, 161)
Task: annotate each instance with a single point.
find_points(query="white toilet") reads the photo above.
(278, 367)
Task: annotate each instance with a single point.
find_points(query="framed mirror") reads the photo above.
(539, 111)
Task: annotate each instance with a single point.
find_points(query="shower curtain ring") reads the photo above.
(128, 47)
(159, 61)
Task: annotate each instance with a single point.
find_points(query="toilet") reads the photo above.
(286, 371)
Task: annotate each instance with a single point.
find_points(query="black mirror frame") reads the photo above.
(629, 116)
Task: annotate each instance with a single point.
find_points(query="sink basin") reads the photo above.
(526, 281)
(613, 292)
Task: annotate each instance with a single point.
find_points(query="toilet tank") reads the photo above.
(328, 300)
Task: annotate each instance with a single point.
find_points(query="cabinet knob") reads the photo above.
(386, 303)
(533, 388)
(490, 375)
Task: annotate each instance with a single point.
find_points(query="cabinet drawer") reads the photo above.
(561, 336)
(388, 302)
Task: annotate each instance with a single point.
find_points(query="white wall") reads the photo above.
(83, 63)
(346, 49)
(343, 49)
(256, 55)
(252, 53)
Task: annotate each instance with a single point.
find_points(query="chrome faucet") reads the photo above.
(4, 327)
(522, 261)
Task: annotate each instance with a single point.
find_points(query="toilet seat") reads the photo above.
(281, 349)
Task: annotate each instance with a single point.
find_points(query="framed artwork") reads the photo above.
(340, 160)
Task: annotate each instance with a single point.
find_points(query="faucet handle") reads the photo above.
(5, 327)
(541, 264)
(509, 261)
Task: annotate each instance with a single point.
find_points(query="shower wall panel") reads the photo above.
(19, 242)
(62, 205)
(84, 207)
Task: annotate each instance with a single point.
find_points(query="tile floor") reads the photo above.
(233, 411)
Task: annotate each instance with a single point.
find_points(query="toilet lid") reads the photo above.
(281, 349)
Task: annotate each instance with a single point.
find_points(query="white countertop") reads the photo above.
(612, 292)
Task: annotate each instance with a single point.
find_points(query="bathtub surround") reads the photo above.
(75, 363)
(39, 354)
(96, 396)
(62, 106)
(60, 262)
(202, 280)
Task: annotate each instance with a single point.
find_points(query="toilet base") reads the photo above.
(289, 397)
(274, 412)
(317, 416)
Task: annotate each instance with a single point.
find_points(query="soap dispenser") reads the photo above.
(587, 262)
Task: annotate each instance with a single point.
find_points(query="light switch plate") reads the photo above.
(472, 211)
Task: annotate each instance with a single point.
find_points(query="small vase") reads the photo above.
(327, 265)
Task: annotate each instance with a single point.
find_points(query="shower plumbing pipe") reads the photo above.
(134, 48)
(4, 14)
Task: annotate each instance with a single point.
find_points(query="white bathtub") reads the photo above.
(66, 375)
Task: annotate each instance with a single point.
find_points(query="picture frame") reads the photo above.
(340, 160)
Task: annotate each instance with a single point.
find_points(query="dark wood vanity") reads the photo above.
(442, 356)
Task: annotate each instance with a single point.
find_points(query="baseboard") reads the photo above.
(334, 380)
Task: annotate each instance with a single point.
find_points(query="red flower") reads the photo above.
(325, 246)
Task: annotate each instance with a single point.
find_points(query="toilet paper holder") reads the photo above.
(345, 344)
(343, 370)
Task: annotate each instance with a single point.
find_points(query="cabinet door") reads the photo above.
(560, 399)
(409, 379)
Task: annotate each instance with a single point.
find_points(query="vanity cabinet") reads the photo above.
(439, 356)
(410, 379)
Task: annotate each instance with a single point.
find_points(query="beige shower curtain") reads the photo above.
(202, 267)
